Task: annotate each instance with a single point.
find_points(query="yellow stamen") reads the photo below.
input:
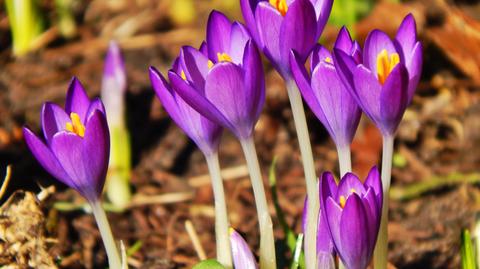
(343, 201)
(224, 57)
(328, 60)
(353, 190)
(76, 126)
(210, 64)
(385, 64)
(280, 5)
(182, 74)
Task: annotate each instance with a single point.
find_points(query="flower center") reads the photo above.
(328, 60)
(385, 64)
(280, 5)
(76, 126)
(182, 74)
(221, 58)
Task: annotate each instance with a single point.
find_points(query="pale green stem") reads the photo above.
(309, 170)
(267, 241)
(345, 163)
(224, 255)
(380, 255)
(106, 233)
(344, 160)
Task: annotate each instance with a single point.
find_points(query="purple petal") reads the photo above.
(225, 89)
(297, 30)
(269, 22)
(203, 132)
(354, 238)
(373, 215)
(406, 36)
(414, 67)
(45, 157)
(115, 68)
(375, 43)
(300, 75)
(345, 65)
(344, 41)
(374, 181)
(204, 49)
(348, 185)
(198, 101)
(248, 11)
(241, 253)
(323, 9)
(319, 54)
(95, 105)
(194, 65)
(366, 91)
(238, 40)
(393, 99)
(324, 239)
(254, 80)
(54, 119)
(341, 111)
(218, 34)
(328, 186)
(333, 215)
(77, 99)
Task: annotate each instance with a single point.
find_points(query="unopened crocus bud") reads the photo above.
(353, 212)
(114, 87)
(384, 82)
(77, 142)
(241, 253)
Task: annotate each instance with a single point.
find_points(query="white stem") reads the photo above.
(224, 255)
(309, 170)
(267, 241)
(344, 160)
(345, 163)
(114, 260)
(380, 255)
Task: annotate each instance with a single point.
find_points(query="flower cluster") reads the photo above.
(221, 85)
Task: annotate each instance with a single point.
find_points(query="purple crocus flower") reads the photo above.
(353, 212)
(384, 83)
(278, 26)
(325, 93)
(202, 131)
(241, 253)
(77, 142)
(223, 80)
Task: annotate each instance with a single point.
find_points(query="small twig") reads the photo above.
(195, 240)
(45, 192)
(6, 180)
(430, 184)
(230, 173)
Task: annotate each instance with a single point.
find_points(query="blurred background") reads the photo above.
(436, 174)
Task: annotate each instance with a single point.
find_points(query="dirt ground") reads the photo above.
(435, 190)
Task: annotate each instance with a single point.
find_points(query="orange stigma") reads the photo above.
(182, 74)
(224, 57)
(385, 64)
(76, 126)
(343, 201)
(280, 5)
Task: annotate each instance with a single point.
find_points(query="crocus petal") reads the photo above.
(45, 157)
(414, 67)
(346, 66)
(77, 99)
(373, 214)
(194, 65)
(373, 180)
(239, 38)
(348, 185)
(328, 185)
(198, 101)
(353, 234)
(96, 149)
(324, 239)
(218, 34)
(344, 41)
(95, 105)
(325, 260)
(318, 55)
(342, 113)
(254, 81)
(54, 119)
(241, 253)
(376, 42)
(115, 68)
(203, 49)
(393, 99)
(367, 92)
(269, 22)
(295, 32)
(323, 9)
(225, 89)
(333, 215)
(406, 36)
(248, 11)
